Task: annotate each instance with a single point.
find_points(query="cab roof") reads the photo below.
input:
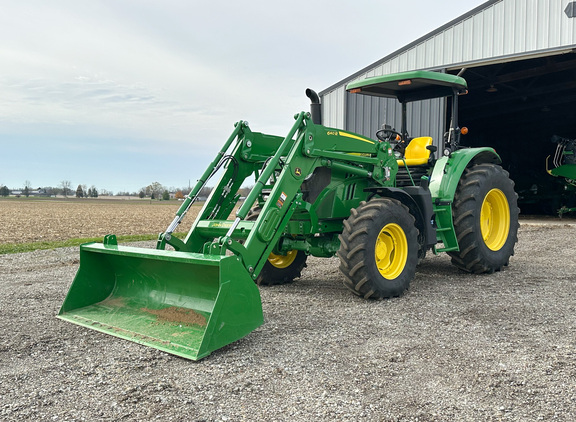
(410, 86)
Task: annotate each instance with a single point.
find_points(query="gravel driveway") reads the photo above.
(455, 347)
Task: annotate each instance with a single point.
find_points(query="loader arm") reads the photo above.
(280, 166)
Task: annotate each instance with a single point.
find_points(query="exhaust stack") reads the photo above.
(315, 106)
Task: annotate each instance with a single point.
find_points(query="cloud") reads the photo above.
(162, 81)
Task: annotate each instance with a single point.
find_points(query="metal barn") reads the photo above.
(519, 59)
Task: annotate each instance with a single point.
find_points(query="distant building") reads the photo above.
(34, 192)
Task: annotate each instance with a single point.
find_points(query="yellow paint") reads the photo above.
(349, 135)
(391, 251)
(495, 219)
(283, 261)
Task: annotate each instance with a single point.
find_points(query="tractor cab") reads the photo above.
(415, 86)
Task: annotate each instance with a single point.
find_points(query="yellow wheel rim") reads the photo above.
(391, 251)
(283, 261)
(495, 219)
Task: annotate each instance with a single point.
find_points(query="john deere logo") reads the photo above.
(298, 171)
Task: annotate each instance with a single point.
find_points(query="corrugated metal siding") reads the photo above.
(504, 28)
(509, 27)
(366, 115)
(333, 110)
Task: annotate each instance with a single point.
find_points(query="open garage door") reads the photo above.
(517, 107)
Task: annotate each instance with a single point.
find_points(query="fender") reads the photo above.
(419, 202)
(444, 180)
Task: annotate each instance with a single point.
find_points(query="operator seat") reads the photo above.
(416, 153)
(417, 159)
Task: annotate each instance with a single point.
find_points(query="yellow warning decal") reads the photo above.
(349, 135)
(221, 224)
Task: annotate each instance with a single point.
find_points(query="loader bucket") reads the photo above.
(187, 304)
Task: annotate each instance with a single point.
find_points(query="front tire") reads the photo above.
(282, 269)
(279, 269)
(379, 249)
(485, 214)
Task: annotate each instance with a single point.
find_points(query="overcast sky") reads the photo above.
(122, 93)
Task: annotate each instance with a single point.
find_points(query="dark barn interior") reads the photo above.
(517, 107)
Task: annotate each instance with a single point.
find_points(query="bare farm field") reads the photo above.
(30, 220)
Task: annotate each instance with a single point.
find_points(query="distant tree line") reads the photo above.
(64, 189)
(154, 190)
(82, 192)
(158, 191)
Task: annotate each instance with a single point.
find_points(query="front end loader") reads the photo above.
(379, 204)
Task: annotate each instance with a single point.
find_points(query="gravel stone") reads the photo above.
(455, 347)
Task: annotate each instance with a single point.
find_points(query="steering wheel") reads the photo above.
(388, 135)
(394, 138)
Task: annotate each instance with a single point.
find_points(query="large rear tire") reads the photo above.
(279, 269)
(379, 249)
(485, 214)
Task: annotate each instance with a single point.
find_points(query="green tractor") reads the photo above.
(378, 204)
(564, 168)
